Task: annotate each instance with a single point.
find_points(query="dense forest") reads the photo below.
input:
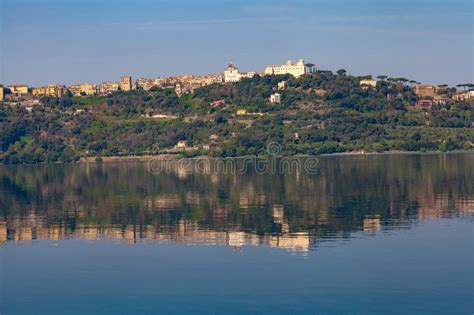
(319, 113)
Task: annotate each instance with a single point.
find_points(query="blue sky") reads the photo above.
(69, 41)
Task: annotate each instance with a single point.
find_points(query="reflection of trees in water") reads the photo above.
(125, 201)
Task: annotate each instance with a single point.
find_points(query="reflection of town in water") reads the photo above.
(292, 211)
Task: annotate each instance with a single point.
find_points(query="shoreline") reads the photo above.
(395, 152)
(146, 158)
(127, 158)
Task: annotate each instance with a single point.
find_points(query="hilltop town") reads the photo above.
(188, 83)
(304, 109)
(181, 84)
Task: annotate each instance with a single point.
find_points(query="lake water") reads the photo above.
(388, 234)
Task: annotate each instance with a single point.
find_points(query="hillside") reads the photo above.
(319, 113)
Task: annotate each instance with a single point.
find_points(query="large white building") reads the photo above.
(296, 69)
(232, 74)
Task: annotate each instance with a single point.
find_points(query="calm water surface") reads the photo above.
(364, 235)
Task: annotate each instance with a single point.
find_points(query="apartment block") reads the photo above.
(18, 89)
(425, 91)
(126, 83)
(296, 69)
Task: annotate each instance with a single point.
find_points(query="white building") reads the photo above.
(296, 69)
(232, 74)
(275, 98)
(464, 96)
(368, 82)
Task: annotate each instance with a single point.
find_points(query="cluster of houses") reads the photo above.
(431, 94)
(181, 84)
(24, 92)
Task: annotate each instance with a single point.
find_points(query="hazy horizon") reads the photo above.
(53, 41)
